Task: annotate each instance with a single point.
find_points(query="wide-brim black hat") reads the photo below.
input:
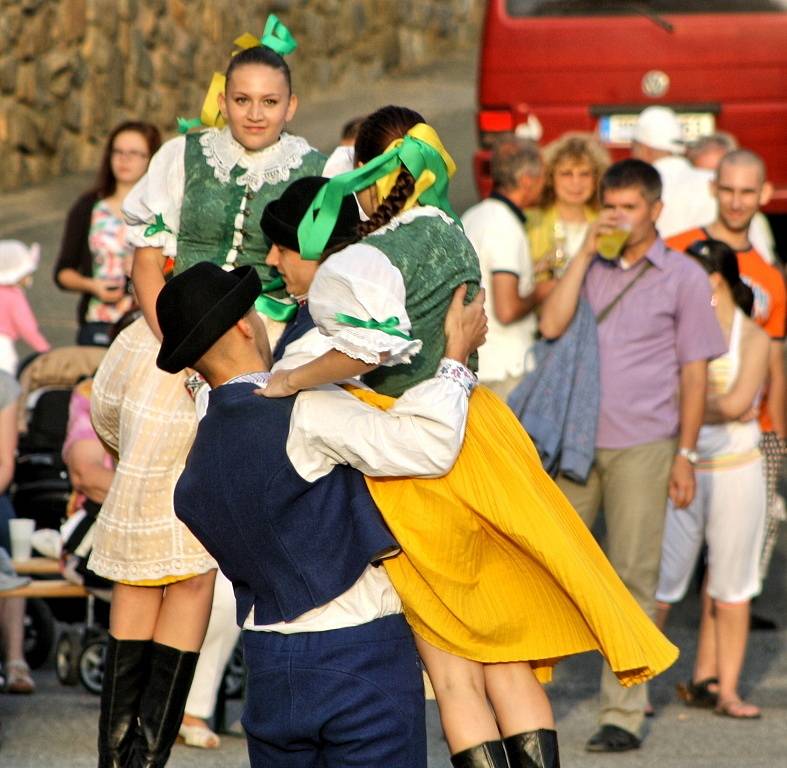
(197, 307)
(281, 217)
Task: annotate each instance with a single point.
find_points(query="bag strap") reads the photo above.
(604, 314)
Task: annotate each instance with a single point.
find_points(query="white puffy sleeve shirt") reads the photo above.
(360, 282)
(158, 193)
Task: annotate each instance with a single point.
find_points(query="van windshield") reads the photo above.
(594, 8)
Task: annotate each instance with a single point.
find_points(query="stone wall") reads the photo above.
(71, 69)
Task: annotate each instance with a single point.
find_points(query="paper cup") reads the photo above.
(21, 530)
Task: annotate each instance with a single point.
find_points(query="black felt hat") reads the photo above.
(197, 307)
(281, 217)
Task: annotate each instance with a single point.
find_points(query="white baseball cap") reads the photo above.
(659, 128)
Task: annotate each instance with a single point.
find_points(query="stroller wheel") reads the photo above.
(91, 665)
(39, 632)
(69, 646)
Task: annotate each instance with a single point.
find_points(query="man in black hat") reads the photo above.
(333, 673)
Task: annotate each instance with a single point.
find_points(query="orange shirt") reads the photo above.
(770, 296)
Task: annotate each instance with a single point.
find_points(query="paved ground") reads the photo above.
(57, 726)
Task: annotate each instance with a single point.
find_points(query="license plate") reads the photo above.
(618, 129)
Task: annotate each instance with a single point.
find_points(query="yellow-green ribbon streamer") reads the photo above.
(423, 160)
(389, 326)
(275, 36)
(157, 226)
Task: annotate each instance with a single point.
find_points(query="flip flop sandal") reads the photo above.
(198, 736)
(727, 709)
(699, 694)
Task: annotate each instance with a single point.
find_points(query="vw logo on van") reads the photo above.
(655, 83)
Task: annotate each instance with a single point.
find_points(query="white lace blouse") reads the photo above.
(160, 191)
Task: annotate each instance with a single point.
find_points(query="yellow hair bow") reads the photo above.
(429, 136)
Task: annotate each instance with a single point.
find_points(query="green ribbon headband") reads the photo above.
(158, 225)
(414, 154)
(389, 326)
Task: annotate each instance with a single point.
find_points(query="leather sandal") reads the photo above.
(699, 694)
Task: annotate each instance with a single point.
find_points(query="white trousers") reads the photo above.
(220, 639)
(728, 512)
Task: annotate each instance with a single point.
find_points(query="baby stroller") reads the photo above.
(41, 489)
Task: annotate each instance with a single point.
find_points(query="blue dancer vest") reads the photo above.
(287, 545)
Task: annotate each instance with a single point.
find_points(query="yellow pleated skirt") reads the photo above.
(497, 566)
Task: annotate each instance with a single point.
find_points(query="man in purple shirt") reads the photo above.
(656, 333)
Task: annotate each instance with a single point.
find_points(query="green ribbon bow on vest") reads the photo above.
(186, 124)
(157, 226)
(413, 153)
(389, 326)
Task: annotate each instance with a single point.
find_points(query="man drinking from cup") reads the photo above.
(656, 333)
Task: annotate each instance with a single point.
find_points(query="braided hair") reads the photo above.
(377, 131)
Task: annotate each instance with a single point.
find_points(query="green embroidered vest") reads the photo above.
(211, 212)
(434, 258)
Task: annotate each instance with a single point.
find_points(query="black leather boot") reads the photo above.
(163, 703)
(490, 754)
(534, 749)
(126, 669)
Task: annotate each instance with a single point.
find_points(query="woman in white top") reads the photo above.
(728, 511)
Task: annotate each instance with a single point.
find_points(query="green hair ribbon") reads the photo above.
(275, 36)
(414, 154)
(389, 326)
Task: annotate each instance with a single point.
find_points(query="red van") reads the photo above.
(549, 66)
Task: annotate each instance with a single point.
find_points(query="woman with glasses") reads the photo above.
(95, 251)
(728, 511)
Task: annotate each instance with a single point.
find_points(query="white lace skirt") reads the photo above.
(150, 417)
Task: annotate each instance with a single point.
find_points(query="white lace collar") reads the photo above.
(267, 166)
(405, 217)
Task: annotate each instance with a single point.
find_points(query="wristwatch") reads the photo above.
(689, 455)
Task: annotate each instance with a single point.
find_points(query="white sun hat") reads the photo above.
(17, 261)
(659, 128)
